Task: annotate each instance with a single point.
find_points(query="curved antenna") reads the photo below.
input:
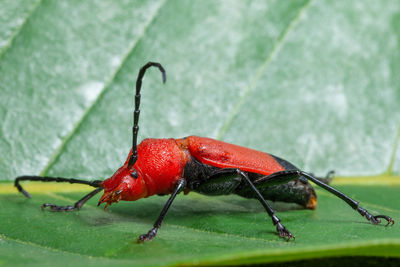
(136, 113)
(95, 183)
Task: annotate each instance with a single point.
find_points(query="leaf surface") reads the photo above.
(198, 230)
(314, 82)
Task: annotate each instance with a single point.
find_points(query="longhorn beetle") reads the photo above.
(204, 165)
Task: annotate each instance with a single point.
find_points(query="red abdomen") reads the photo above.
(224, 155)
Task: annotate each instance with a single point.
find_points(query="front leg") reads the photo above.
(76, 206)
(153, 231)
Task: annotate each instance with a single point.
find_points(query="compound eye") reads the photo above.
(134, 175)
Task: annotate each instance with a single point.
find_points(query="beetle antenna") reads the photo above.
(136, 113)
(96, 183)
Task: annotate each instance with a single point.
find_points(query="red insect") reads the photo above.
(204, 165)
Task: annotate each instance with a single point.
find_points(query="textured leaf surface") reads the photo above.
(13, 14)
(315, 82)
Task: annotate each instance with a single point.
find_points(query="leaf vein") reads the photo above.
(109, 81)
(275, 50)
(28, 243)
(19, 29)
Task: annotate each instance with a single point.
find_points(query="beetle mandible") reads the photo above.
(204, 165)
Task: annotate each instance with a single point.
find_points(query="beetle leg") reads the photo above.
(352, 203)
(283, 232)
(77, 205)
(283, 175)
(153, 231)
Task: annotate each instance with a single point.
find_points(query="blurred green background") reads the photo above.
(315, 82)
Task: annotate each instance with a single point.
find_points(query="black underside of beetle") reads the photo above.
(202, 178)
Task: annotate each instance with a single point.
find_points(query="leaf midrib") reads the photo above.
(28, 243)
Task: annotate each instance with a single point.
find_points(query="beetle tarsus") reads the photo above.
(76, 206)
(389, 220)
(283, 232)
(375, 219)
(149, 236)
(58, 208)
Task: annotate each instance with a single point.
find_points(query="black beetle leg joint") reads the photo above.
(149, 236)
(275, 219)
(45, 205)
(361, 211)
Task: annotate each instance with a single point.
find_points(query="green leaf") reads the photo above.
(13, 15)
(315, 82)
(197, 230)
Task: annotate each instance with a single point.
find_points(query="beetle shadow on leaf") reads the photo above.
(147, 210)
(254, 205)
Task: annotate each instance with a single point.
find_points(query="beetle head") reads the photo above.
(126, 184)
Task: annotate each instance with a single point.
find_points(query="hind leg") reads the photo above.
(283, 175)
(228, 172)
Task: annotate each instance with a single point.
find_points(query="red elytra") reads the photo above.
(224, 155)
